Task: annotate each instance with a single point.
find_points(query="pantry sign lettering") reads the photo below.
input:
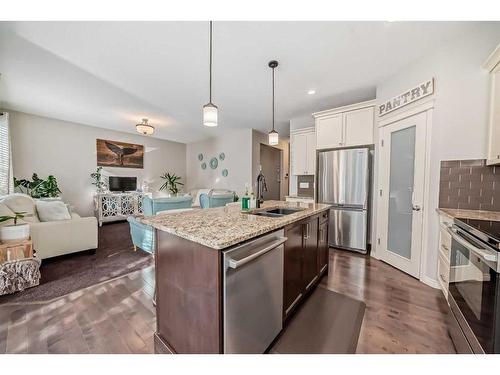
(418, 92)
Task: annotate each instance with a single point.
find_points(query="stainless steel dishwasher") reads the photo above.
(253, 294)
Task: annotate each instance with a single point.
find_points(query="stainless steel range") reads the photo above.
(474, 288)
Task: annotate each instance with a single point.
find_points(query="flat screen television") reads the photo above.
(122, 183)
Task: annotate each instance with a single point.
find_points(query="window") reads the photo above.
(6, 181)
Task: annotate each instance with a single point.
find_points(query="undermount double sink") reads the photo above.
(277, 212)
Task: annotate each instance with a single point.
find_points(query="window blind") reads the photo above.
(6, 178)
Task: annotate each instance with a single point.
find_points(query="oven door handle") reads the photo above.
(482, 253)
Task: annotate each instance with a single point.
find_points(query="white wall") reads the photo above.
(68, 151)
(237, 147)
(302, 122)
(459, 129)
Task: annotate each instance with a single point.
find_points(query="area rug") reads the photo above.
(114, 257)
(327, 323)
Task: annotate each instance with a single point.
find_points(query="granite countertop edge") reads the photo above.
(453, 213)
(267, 225)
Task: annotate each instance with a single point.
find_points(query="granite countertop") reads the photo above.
(453, 213)
(223, 227)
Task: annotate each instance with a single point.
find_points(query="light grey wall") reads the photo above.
(68, 151)
(460, 119)
(237, 147)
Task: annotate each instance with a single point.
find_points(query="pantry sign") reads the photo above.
(418, 92)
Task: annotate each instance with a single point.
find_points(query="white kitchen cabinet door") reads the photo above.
(329, 131)
(358, 127)
(311, 153)
(494, 141)
(299, 154)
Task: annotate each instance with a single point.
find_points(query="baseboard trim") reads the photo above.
(430, 281)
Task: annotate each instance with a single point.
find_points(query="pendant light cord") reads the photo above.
(273, 99)
(210, 85)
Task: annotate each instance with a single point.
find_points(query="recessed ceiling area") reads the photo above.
(113, 74)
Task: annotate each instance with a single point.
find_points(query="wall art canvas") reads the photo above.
(119, 154)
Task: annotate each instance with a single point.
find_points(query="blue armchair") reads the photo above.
(143, 235)
(218, 200)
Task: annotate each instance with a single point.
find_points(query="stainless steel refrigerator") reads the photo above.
(343, 182)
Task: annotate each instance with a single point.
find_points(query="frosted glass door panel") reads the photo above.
(402, 166)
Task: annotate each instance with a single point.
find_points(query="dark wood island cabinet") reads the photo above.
(190, 269)
(306, 259)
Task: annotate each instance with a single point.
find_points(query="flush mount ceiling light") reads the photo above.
(145, 128)
(273, 134)
(311, 92)
(210, 110)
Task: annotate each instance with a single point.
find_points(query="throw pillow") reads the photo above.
(52, 211)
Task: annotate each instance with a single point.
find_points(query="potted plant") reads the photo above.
(38, 187)
(172, 183)
(16, 231)
(97, 180)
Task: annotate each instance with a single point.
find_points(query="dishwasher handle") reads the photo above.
(232, 263)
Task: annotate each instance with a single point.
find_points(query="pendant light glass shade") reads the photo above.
(273, 138)
(144, 127)
(210, 115)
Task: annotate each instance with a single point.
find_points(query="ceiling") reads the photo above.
(112, 74)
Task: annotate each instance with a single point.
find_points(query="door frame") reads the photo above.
(415, 109)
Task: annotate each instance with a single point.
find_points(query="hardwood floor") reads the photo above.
(402, 315)
(114, 317)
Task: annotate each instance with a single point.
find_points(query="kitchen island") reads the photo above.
(198, 295)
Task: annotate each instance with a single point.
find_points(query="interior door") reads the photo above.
(401, 183)
(270, 160)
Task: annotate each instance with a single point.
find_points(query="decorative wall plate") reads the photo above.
(224, 172)
(214, 163)
(203, 165)
(200, 157)
(222, 156)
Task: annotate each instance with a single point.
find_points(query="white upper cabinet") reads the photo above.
(329, 131)
(346, 126)
(493, 66)
(311, 152)
(358, 127)
(303, 152)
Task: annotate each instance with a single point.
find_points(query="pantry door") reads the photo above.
(401, 192)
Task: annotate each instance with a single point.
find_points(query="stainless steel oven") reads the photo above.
(474, 291)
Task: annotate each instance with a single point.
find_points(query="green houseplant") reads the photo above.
(172, 183)
(38, 187)
(16, 231)
(97, 180)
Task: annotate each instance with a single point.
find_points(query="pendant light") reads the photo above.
(210, 115)
(273, 134)
(144, 127)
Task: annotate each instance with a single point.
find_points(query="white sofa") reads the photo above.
(52, 238)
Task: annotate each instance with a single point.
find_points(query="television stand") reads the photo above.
(115, 206)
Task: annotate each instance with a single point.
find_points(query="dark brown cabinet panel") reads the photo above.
(322, 247)
(292, 290)
(302, 258)
(310, 253)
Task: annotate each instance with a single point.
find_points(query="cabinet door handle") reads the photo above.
(307, 232)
